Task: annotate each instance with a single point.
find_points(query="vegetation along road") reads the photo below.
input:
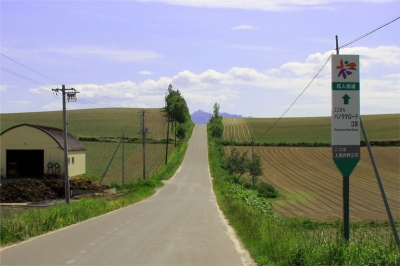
(180, 225)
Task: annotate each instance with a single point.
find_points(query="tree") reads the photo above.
(216, 125)
(238, 163)
(216, 110)
(216, 130)
(255, 168)
(177, 109)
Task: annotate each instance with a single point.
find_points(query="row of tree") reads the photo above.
(237, 163)
(177, 110)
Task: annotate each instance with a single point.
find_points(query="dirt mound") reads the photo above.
(30, 190)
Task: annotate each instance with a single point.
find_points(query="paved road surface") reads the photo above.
(180, 225)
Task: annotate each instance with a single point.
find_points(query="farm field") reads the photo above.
(102, 122)
(307, 129)
(99, 154)
(236, 129)
(112, 122)
(311, 185)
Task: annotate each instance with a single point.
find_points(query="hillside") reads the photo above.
(103, 122)
(305, 129)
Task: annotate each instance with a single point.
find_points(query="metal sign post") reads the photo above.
(345, 123)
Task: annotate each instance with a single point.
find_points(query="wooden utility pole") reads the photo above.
(144, 131)
(70, 95)
(252, 162)
(123, 161)
(166, 149)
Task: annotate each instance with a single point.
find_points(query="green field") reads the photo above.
(317, 129)
(112, 122)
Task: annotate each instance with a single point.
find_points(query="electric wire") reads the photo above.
(365, 35)
(355, 40)
(24, 77)
(30, 68)
(308, 85)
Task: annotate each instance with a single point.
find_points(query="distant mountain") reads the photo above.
(201, 117)
(230, 115)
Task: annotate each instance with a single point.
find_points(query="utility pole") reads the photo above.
(166, 150)
(70, 94)
(144, 131)
(169, 120)
(174, 126)
(123, 161)
(252, 162)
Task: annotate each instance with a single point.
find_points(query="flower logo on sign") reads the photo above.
(345, 68)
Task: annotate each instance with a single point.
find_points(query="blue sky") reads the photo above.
(252, 57)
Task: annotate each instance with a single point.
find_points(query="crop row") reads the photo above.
(236, 129)
(311, 184)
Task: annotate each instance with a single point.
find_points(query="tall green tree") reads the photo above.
(216, 125)
(177, 109)
(216, 110)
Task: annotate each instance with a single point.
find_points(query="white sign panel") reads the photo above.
(345, 130)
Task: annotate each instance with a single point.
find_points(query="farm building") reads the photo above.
(34, 151)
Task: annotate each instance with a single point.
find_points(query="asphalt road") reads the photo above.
(180, 225)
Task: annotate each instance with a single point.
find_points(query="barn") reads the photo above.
(34, 151)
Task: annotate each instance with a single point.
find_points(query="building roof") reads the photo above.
(58, 135)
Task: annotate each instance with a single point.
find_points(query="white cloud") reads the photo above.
(387, 56)
(240, 85)
(145, 73)
(244, 27)
(270, 5)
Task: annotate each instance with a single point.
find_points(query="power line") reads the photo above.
(365, 35)
(359, 38)
(30, 68)
(299, 95)
(26, 78)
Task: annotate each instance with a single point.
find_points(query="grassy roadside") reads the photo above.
(38, 221)
(272, 240)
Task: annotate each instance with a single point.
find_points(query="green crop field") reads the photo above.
(105, 122)
(308, 129)
(99, 154)
(309, 181)
(110, 123)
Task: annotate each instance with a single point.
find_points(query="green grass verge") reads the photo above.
(272, 240)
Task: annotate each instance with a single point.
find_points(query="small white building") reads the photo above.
(33, 151)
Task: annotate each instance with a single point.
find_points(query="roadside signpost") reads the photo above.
(345, 123)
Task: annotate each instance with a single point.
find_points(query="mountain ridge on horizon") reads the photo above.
(201, 117)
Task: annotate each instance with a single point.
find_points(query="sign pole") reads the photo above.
(346, 207)
(345, 123)
(346, 189)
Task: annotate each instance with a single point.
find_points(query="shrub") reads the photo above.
(266, 190)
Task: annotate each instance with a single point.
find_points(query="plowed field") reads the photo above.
(311, 185)
(236, 129)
